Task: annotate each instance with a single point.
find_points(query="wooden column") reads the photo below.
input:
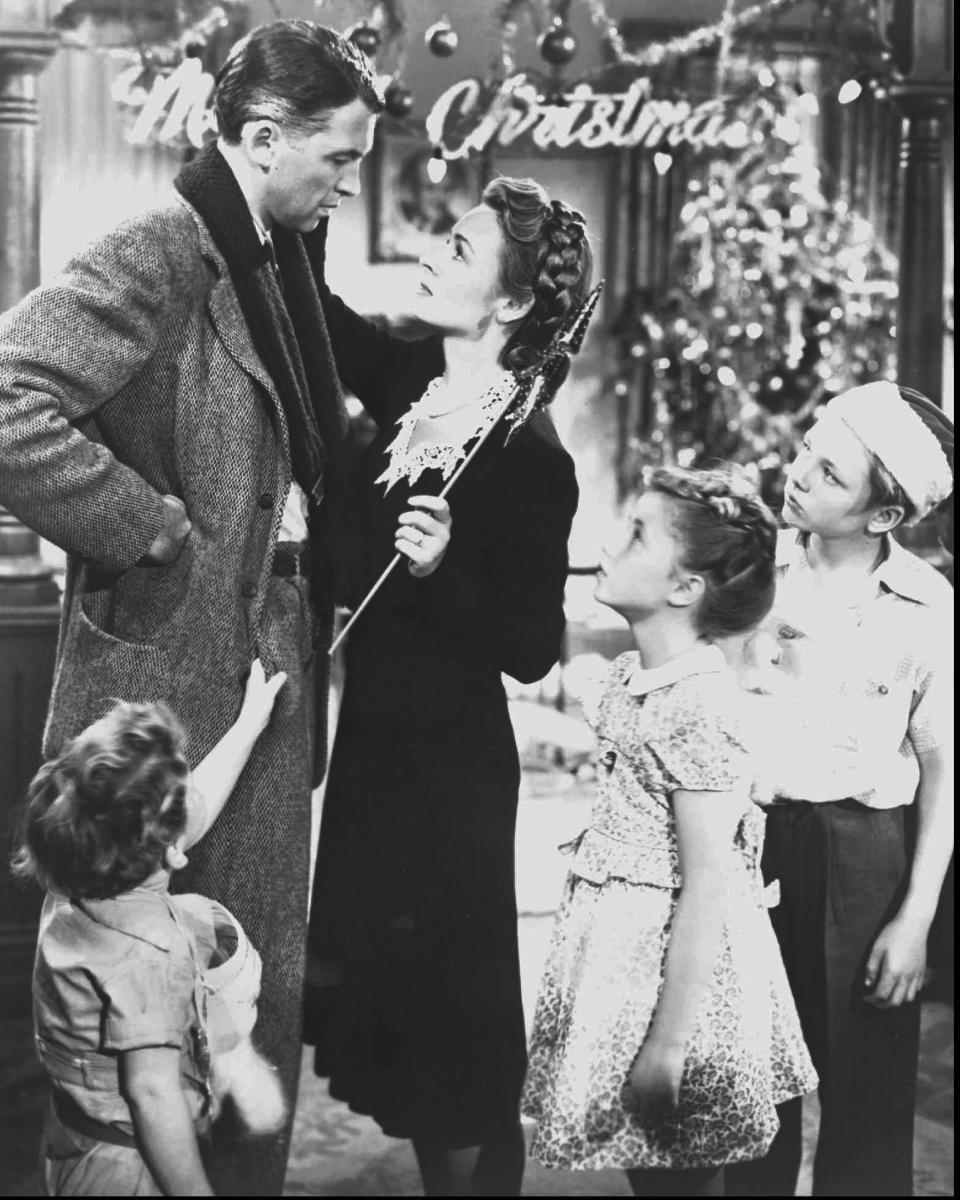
(29, 598)
(920, 35)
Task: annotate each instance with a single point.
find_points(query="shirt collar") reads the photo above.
(900, 571)
(908, 575)
(701, 660)
(142, 913)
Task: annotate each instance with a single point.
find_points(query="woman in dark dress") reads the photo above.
(415, 1004)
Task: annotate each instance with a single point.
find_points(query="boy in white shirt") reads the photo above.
(860, 828)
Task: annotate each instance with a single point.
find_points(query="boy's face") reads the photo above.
(639, 574)
(828, 483)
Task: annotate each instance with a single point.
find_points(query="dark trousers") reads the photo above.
(843, 872)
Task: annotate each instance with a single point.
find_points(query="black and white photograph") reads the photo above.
(476, 598)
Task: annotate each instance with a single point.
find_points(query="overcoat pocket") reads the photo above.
(96, 669)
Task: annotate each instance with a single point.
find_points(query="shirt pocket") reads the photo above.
(886, 702)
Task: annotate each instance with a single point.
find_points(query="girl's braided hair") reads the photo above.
(546, 256)
(729, 537)
(98, 818)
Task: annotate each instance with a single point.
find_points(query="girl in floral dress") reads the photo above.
(665, 1033)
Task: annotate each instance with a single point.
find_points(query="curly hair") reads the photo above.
(546, 256)
(292, 72)
(98, 819)
(729, 537)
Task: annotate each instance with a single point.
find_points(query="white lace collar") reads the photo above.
(410, 463)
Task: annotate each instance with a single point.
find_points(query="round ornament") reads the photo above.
(365, 38)
(398, 100)
(441, 40)
(557, 45)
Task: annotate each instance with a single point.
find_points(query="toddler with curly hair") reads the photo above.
(143, 1002)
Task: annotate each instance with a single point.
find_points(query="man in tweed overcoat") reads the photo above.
(169, 414)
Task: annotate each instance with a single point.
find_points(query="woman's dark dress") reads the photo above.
(414, 911)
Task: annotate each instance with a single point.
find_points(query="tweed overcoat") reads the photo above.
(131, 375)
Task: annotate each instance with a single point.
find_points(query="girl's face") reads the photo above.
(639, 576)
(459, 289)
(828, 483)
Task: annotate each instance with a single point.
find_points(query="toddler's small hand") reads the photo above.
(259, 696)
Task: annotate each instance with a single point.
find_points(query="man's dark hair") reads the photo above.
(294, 73)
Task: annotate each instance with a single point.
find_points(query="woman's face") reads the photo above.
(459, 287)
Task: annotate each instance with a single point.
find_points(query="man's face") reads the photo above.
(309, 175)
(828, 483)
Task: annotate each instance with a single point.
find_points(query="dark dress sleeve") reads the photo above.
(503, 597)
(373, 364)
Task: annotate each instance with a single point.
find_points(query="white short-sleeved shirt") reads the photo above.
(860, 689)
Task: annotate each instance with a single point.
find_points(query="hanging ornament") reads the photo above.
(398, 100)
(441, 40)
(557, 45)
(365, 38)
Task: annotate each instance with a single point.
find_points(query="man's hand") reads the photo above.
(895, 968)
(169, 541)
(655, 1080)
(424, 534)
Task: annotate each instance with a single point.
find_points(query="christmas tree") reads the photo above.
(780, 300)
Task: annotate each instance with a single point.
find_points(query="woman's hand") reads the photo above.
(424, 534)
(655, 1080)
(259, 698)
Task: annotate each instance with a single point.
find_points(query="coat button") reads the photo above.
(265, 500)
(248, 589)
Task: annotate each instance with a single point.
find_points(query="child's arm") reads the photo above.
(706, 823)
(150, 1080)
(215, 776)
(897, 961)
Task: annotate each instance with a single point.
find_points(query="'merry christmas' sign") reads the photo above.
(468, 118)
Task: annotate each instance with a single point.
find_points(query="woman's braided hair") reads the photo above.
(729, 537)
(546, 256)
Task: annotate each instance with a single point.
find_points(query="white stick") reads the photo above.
(534, 392)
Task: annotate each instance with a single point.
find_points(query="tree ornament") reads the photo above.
(557, 45)
(441, 39)
(398, 100)
(365, 38)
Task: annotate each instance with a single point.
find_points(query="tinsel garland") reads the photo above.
(685, 44)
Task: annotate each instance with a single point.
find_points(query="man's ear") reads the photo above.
(687, 589)
(886, 519)
(259, 140)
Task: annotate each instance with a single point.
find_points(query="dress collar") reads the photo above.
(701, 660)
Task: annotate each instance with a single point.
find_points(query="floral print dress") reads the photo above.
(660, 731)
